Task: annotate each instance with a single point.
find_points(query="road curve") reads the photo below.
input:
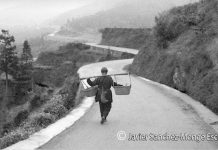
(148, 110)
(120, 49)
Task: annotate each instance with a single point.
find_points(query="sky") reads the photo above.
(35, 12)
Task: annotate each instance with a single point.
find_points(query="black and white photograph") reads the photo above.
(109, 74)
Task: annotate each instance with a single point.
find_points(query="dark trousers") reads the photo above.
(105, 108)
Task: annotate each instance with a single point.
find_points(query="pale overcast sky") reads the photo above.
(24, 12)
(35, 11)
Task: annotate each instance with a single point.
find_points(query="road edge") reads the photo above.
(205, 113)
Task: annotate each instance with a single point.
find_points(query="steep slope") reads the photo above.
(50, 94)
(182, 52)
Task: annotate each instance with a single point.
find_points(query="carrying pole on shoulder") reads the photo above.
(120, 74)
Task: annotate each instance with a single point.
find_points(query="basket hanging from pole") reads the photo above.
(123, 90)
(88, 91)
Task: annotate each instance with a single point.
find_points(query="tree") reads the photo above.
(25, 65)
(26, 60)
(8, 57)
(26, 56)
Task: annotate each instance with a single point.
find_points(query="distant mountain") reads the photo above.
(89, 9)
(131, 14)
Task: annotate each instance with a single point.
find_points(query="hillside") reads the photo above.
(54, 87)
(182, 51)
(49, 95)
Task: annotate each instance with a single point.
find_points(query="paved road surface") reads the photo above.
(149, 109)
(121, 49)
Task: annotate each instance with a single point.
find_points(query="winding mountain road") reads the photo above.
(150, 110)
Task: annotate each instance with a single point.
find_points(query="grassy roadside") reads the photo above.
(57, 106)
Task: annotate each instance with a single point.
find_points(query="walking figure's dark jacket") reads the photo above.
(106, 82)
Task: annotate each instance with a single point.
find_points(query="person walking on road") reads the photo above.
(104, 94)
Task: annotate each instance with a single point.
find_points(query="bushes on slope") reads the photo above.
(23, 115)
(42, 119)
(12, 138)
(57, 110)
(170, 25)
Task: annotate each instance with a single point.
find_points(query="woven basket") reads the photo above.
(122, 90)
(89, 92)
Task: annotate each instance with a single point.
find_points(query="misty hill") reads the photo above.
(131, 14)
